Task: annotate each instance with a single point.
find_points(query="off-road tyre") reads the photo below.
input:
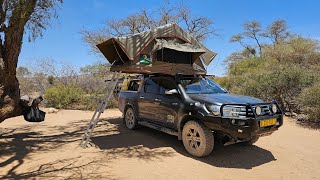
(197, 139)
(130, 119)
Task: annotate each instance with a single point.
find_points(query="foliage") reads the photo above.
(199, 26)
(90, 102)
(310, 101)
(297, 50)
(247, 65)
(17, 18)
(24, 75)
(286, 71)
(277, 33)
(225, 82)
(35, 15)
(23, 72)
(63, 86)
(63, 95)
(97, 70)
(281, 83)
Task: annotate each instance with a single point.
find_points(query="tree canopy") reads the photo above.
(200, 27)
(18, 17)
(285, 69)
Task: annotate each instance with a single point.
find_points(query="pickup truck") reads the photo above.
(198, 111)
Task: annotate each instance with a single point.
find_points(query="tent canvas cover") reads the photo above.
(166, 49)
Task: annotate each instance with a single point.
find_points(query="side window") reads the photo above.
(166, 85)
(134, 85)
(151, 86)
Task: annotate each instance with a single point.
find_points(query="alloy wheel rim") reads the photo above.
(193, 138)
(129, 119)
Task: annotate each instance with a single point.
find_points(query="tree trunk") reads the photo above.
(9, 85)
(9, 53)
(9, 98)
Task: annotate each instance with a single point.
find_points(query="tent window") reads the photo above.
(173, 56)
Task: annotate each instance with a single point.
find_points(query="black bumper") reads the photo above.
(246, 132)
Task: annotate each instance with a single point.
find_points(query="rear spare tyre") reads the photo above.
(197, 139)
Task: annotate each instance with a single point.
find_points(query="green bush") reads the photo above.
(281, 83)
(310, 101)
(225, 82)
(90, 102)
(63, 95)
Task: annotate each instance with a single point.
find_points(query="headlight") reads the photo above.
(234, 111)
(258, 110)
(214, 109)
(274, 108)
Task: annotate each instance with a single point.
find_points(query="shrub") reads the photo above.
(63, 96)
(225, 81)
(281, 83)
(310, 101)
(90, 102)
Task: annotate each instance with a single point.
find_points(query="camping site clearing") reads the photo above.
(51, 150)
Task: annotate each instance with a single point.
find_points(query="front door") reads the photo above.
(169, 105)
(147, 104)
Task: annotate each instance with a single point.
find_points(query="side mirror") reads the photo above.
(172, 91)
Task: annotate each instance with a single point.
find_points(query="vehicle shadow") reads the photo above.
(232, 156)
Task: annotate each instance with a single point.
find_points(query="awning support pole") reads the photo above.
(117, 50)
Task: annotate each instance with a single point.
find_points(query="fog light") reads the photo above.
(274, 108)
(242, 123)
(233, 121)
(258, 110)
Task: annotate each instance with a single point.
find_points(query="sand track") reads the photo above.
(51, 150)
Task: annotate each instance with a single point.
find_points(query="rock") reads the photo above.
(302, 117)
(52, 110)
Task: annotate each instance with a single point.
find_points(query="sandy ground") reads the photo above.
(50, 150)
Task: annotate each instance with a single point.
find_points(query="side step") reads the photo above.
(158, 127)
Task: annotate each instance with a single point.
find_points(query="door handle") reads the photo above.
(175, 104)
(141, 97)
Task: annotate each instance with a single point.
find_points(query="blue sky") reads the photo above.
(63, 42)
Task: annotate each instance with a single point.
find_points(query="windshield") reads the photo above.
(200, 85)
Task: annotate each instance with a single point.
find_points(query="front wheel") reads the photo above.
(130, 118)
(197, 139)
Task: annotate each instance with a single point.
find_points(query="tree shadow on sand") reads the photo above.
(232, 156)
(115, 140)
(17, 144)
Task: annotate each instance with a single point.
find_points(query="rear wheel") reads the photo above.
(197, 139)
(130, 118)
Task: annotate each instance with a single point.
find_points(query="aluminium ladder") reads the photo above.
(100, 109)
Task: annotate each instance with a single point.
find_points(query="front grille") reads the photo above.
(234, 111)
(245, 111)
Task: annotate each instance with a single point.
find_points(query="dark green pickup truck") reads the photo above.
(198, 111)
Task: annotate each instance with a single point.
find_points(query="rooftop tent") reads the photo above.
(165, 49)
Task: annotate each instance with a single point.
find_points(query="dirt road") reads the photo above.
(51, 150)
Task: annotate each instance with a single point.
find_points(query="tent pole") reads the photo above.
(117, 51)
